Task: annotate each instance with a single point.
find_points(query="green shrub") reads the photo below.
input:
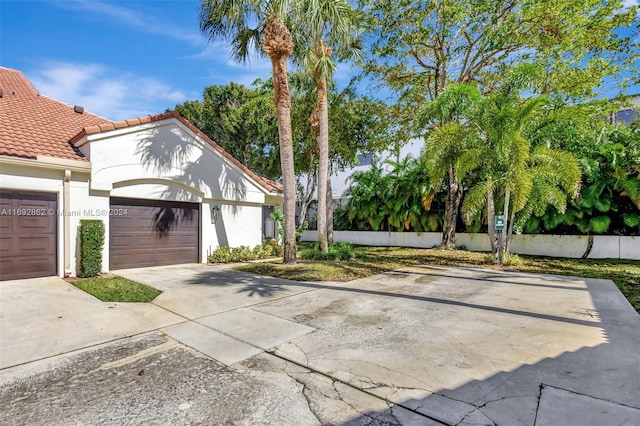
(220, 255)
(227, 254)
(337, 251)
(513, 260)
(276, 249)
(91, 242)
(489, 258)
(278, 216)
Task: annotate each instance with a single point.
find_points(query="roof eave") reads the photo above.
(45, 162)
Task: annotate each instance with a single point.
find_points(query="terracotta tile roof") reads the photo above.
(32, 124)
(269, 185)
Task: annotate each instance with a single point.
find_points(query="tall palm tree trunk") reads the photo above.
(323, 166)
(329, 210)
(278, 45)
(507, 227)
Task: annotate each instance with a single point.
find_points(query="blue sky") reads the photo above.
(122, 58)
(119, 59)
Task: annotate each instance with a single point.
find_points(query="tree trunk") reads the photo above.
(507, 244)
(306, 196)
(323, 165)
(277, 43)
(491, 215)
(452, 206)
(505, 212)
(329, 210)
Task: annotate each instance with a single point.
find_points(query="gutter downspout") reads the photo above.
(66, 201)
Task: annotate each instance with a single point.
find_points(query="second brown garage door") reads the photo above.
(152, 233)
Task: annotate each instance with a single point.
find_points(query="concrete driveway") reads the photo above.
(425, 345)
(44, 317)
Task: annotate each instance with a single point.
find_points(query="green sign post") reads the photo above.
(499, 222)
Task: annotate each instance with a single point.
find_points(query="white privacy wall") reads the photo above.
(572, 246)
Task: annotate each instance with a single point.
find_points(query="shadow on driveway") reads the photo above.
(270, 287)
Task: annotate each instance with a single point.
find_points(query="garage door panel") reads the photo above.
(153, 233)
(37, 245)
(29, 234)
(39, 223)
(143, 258)
(33, 265)
(127, 241)
(5, 222)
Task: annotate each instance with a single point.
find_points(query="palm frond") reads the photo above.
(474, 201)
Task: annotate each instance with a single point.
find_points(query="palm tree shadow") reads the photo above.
(252, 285)
(190, 172)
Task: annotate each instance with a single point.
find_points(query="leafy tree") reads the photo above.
(242, 121)
(393, 201)
(421, 48)
(263, 26)
(485, 133)
(357, 124)
(450, 136)
(366, 195)
(610, 159)
(511, 164)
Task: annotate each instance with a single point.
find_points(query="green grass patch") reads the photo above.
(116, 289)
(374, 260)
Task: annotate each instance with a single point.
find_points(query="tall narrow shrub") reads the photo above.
(91, 242)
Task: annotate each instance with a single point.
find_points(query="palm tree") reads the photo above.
(261, 25)
(509, 163)
(325, 22)
(449, 142)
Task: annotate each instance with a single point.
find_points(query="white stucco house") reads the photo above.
(166, 193)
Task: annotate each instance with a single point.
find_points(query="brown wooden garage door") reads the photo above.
(152, 233)
(27, 234)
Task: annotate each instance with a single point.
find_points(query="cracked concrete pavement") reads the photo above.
(424, 345)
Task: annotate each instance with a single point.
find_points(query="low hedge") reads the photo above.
(337, 251)
(227, 254)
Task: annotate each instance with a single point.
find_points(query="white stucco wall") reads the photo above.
(239, 225)
(169, 151)
(572, 246)
(86, 205)
(156, 191)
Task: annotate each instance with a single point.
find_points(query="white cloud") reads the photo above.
(105, 91)
(146, 20)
